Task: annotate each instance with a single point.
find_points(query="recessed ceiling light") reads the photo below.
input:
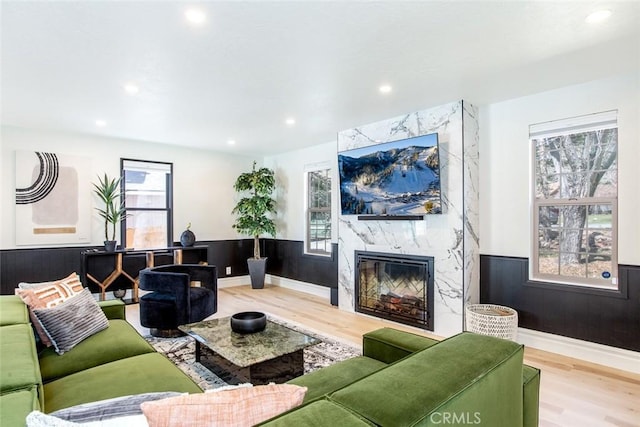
(290, 121)
(101, 123)
(131, 88)
(598, 16)
(195, 16)
(231, 142)
(385, 89)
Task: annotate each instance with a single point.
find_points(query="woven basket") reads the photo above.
(494, 320)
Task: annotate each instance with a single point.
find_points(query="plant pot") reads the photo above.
(110, 245)
(257, 271)
(119, 293)
(187, 238)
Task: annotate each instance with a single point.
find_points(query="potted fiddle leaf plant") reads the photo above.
(108, 191)
(253, 209)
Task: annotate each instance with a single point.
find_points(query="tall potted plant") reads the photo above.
(108, 190)
(256, 188)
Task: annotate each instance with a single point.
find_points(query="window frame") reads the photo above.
(308, 211)
(585, 123)
(168, 202)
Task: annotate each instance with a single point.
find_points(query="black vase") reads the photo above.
(187, 238)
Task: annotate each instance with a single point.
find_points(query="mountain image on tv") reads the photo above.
(394, 178)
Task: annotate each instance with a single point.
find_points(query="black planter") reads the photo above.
(248, 322)
(187, 238)
(119, 293)
(110, 245)
(257, 271)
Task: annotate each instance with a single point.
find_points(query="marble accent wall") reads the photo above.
(451, 237)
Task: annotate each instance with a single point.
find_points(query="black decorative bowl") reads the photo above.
(248, 322)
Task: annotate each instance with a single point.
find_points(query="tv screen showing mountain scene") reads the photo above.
(394, 178)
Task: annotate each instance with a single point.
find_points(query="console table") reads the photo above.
(120, 269)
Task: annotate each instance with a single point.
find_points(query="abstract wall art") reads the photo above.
(53, 198)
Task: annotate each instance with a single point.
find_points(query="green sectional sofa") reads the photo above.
(403, 379)
(114, 362)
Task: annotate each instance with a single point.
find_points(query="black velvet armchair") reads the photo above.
(173, 301)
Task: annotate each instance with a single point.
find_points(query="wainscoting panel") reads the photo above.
(37, 265)
(286, 259)
(609, 318)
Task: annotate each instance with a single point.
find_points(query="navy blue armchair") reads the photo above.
(173, 300)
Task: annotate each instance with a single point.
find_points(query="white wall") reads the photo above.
(290, 194)
(505, 161)
(203, 180)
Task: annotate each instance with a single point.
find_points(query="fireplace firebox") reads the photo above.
(397, 287)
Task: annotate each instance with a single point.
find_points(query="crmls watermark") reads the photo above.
(457, 418)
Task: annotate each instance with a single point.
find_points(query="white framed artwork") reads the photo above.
(53, 198)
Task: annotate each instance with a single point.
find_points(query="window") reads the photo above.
(147, 188)
(318, 222)
(575, 200)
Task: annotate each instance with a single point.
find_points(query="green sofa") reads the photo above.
(114, 362)
(403, 379)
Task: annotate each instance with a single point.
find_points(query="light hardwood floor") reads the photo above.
(573, 392)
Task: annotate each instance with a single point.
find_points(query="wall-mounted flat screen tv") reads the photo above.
(398, 178)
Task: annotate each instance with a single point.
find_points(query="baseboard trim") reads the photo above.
(296, 285)
(309, 288)
(613, 357)
(229, 282)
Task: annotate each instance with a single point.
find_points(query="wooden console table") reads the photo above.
(120, 269)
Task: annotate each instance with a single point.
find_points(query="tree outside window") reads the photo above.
(575, 200)
(318, 212)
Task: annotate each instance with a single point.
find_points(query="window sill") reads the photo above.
(320, 257)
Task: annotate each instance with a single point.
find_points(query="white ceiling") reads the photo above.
(253, 64)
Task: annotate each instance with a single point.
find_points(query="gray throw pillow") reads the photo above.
(110, 408)
(72, 321)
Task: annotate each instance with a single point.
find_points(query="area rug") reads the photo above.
(181, 351)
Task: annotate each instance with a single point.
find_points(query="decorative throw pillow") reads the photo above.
(72, 321)
(111, 408)
(245, 406)
(228, 387)
(48, 294)
(72, 280)
(38, 419)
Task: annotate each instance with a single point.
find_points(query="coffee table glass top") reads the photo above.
(246, 350)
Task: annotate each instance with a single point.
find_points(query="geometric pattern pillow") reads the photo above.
(72, 321)
(245, 406)
(46, 295)
(49, 294)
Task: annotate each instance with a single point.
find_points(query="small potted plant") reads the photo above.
(108, 190)
(253, 208)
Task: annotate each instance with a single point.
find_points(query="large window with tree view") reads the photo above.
(318, 225)
(575, 200)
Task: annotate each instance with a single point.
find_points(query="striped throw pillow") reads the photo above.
(46, 295)
(72, 321)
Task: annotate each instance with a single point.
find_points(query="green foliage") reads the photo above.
(257, 186)
(107, 189)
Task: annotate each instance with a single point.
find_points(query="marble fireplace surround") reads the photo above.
(451, 238)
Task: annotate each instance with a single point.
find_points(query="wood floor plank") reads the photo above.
(573, 392)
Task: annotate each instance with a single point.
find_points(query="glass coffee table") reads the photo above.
(273, 355)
